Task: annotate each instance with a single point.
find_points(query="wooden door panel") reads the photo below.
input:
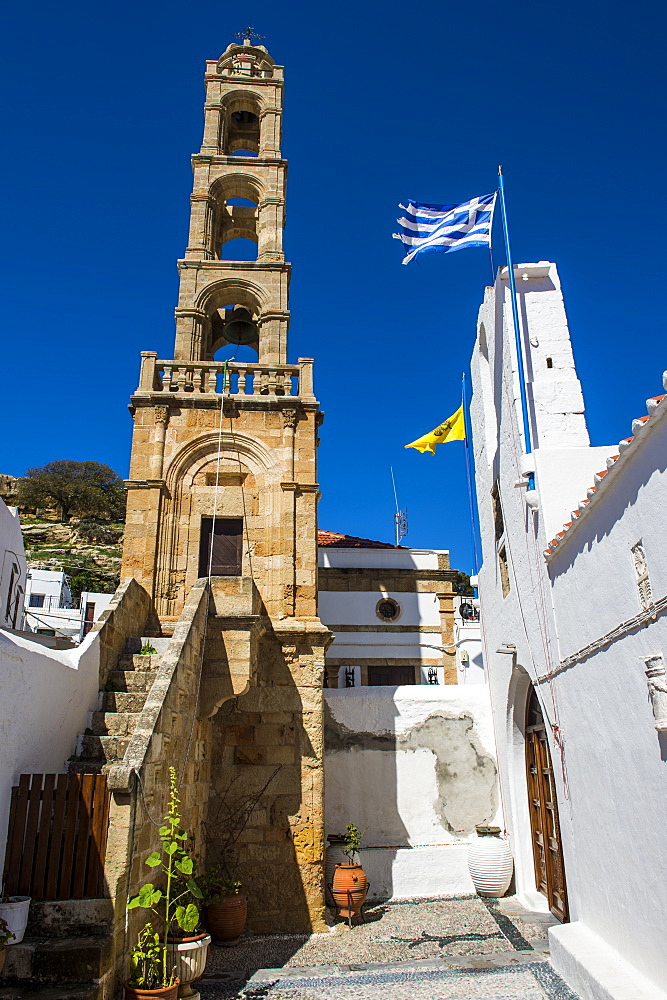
(543, 807)
(226, 536)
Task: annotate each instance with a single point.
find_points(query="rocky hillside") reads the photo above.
(86, 549)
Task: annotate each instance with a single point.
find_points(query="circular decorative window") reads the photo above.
(387, 610)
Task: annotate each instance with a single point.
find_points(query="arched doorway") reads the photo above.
(544, 825)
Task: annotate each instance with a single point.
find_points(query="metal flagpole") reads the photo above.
(515, 317)
(466, 423)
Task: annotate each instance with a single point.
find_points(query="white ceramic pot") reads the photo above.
(490, 862)
(16, 914)
(189, 956)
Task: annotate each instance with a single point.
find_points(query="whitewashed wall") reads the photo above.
(612, 812)
(414, 768)
(468, 639)
(45, 698)
(605, 709)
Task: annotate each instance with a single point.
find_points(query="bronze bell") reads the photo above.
(240, 328)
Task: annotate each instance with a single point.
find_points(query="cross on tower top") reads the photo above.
(248, 34)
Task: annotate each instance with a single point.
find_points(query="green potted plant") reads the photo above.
(350, 884)
(6, 937)
(154, 972)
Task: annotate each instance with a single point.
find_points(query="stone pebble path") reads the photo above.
(441, 949)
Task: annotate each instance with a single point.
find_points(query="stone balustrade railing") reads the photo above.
(242, 380)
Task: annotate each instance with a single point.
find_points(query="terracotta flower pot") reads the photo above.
(226, 919)
(139, 993)
(350, 886)
(2, 959)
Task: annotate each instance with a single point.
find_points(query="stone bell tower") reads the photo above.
(223, 484)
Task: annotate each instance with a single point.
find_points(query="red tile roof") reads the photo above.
(639, 426)
(331, 539)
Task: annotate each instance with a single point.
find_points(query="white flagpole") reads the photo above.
(515, 317)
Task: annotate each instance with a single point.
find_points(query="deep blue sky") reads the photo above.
(103, 107)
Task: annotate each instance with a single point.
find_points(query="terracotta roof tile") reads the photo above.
(332, 539)
(638, 425)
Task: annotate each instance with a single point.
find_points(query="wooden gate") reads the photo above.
(56, 844)
(545, 828)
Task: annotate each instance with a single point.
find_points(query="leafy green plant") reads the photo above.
(147, 649)
(352, 842)
(215, 884)
(5, 933)
(146, 961)
(170, 905)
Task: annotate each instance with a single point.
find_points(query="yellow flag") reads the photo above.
(453, 429)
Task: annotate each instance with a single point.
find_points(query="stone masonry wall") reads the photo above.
(167, 734)
(272, 738)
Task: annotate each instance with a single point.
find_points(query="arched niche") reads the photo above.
(241, 112)
(249, 488)
(235, 198)
(217, 302)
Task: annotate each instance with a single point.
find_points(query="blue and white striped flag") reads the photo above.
(443, 228)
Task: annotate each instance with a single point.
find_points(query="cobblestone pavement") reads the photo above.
(441, 949)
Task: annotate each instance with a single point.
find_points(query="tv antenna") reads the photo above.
(401, 516)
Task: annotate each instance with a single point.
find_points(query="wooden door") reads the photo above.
(545, 828)
(89, 617)
(227, 541)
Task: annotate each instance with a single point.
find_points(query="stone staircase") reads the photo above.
(120, 704)
(63, 952)
(65, 948)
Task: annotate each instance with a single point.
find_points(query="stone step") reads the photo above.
(123, 701)
(132, 680)
(159, 642)
(89, 766)
(113, 723)
(107, 748)
(59, 961)
(32, 991)
(70, 918)
(137, 662)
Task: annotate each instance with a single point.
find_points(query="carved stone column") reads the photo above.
(290, 417)
(200, 241)
(270, 229)
(657, 689)
(157, 458)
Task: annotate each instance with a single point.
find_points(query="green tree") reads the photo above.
(75, 487)
(462, 585)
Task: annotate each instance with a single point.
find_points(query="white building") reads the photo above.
(390, 609)
(468, 641)
(49, 606)
(574, 633)
(47, 589)
(409, 747)
(13, 568)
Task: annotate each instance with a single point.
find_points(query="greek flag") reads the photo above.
(443, 228)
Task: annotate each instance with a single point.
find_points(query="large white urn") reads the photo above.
(490, 862)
